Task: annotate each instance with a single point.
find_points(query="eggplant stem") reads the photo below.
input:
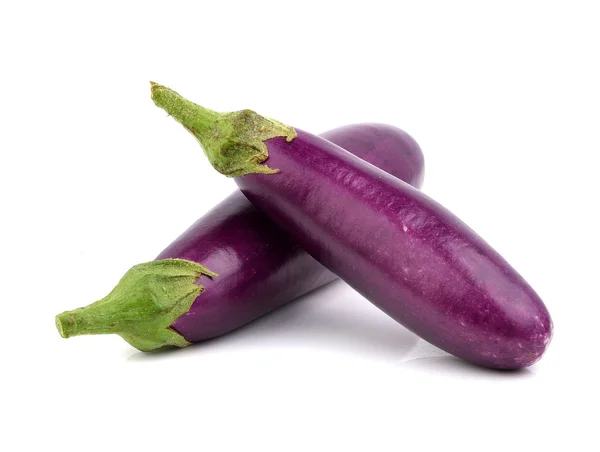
(142, 306)
(233, 142)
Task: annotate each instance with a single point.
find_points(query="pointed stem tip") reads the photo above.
(59, 321)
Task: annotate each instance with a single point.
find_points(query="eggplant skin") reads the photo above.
(403, 251)
(260, 267)
(389, 148)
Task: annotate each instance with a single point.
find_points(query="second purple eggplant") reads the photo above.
(232, 266)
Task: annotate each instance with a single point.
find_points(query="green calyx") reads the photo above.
(142, 306)
(233, 142)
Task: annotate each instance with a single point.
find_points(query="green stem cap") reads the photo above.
(233, 142)
(142, 306)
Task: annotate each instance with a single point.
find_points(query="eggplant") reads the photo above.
(396, 246)
(231, 266)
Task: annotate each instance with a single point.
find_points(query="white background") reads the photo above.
(503, 98)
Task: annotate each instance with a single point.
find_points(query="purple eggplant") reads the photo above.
(230, 267)
(400, 249)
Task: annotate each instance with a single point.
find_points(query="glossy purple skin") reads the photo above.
(260, 267)
(403, 251)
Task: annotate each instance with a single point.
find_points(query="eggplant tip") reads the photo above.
(59, 327)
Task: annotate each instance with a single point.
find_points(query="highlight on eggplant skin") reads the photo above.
(399, 248)
(259, 267)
